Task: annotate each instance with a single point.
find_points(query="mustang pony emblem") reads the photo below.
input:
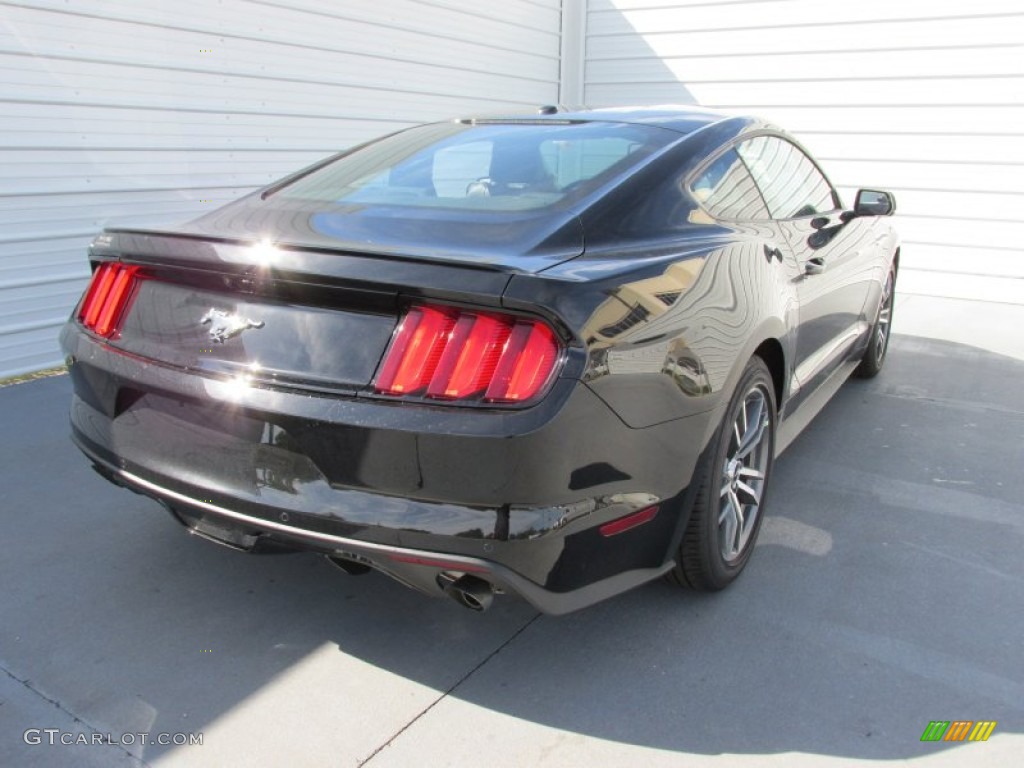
(224, 326)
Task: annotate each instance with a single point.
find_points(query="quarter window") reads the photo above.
(791, 184)
(727, 191)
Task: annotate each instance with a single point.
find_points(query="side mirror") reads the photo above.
(873, 202)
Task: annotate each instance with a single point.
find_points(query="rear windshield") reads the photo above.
(487, 167)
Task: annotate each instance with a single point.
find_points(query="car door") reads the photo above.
(834, 269)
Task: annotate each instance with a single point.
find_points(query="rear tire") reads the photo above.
(729, 504)
(874, 355)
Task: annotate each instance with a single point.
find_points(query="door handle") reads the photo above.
(814, 266)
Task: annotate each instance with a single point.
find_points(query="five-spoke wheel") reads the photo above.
(743, 475)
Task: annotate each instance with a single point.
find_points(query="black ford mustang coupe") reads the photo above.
(552, 354)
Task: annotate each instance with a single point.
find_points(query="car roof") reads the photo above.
(683, 118)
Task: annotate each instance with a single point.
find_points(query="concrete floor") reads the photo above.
(887, 591)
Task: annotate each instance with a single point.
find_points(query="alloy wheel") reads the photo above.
(883, 322)
(743, 474)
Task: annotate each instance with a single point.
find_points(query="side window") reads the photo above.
(727, 191)
(791, 184)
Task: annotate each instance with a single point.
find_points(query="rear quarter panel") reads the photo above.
(668, 327)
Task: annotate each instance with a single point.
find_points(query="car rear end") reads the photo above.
(269, 398)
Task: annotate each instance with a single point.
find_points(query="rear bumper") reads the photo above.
(516, 498)
(417, 568)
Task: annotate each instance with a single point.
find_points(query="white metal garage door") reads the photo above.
(924, 97)
(111, 110)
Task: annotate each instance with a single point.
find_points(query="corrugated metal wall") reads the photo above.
(113, 111)
(922, 97)
(120, 111)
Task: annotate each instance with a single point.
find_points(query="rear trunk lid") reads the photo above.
(193, 324)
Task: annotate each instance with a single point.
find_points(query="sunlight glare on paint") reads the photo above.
(264, 253)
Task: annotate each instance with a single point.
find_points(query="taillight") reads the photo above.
(107, 299)
(446, 353)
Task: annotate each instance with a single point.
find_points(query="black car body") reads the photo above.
(271, 372)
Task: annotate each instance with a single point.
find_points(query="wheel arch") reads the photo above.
(771, 343)
(771, 352)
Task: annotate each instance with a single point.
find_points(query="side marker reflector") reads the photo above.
(629, 522)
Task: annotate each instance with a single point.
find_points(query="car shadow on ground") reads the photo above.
(885, 593)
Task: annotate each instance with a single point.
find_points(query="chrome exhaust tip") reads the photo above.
(471, 592)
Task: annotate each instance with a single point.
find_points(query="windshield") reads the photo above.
(496, 166)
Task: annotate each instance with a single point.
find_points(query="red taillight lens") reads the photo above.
(107, 299)
(529, 356)
(415, 351)
(445, 353)
(98, 291)
(470, 357)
